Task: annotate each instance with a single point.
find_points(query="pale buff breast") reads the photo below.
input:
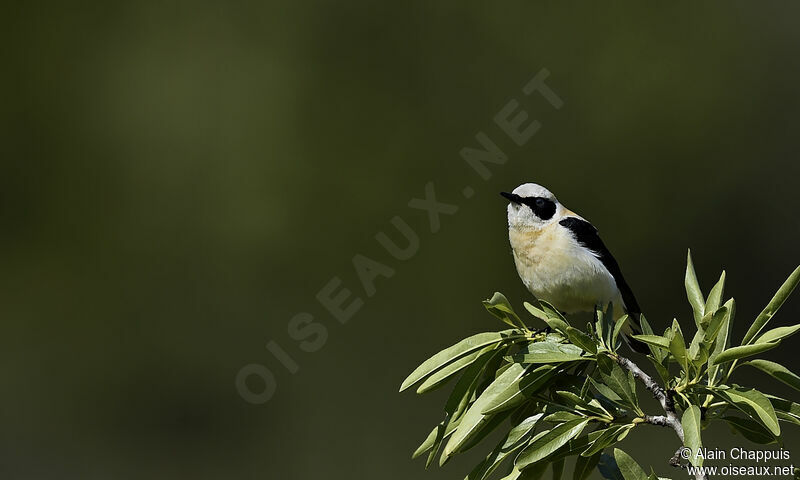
(555, 268)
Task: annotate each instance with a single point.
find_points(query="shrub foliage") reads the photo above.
(561, 393)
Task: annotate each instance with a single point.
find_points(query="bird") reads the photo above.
(561, 259)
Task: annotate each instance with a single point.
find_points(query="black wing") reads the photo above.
(585, 233)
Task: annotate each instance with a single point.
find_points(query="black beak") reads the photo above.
(512, 197)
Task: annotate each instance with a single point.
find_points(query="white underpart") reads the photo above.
(552, 264)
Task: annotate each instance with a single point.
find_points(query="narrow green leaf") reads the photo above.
(750, 430)
(776, 371)
(654, 340)
(606, 391)
(628, 466)
(723, 340)
(619, 381)
(512, 443)
(715, 295)
(662, 370)
(785, 409)
(554, 319)
(474, 419)
(500, 307)
(433, 437)
(692, 428)
(621, 321)
(693, 292)
(714, 325)
(753, 403)
(599, 327)
(772, 308)
(582, 340)
(535, 472)
(608, 326)
(608, 437)
(550, 442)
(536, 311)
(677, 346)
(584, 466)
(550, 352)
(520, 389)
(778, 334)
(563, 417)
(493, 422)
(464, 347)
(581, 404)
(743, 351)
(441, 376)
(467, 384)
(441, 433)
(657, 353)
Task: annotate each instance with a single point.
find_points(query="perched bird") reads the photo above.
(561, 258)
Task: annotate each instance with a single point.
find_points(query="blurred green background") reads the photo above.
(179, 179)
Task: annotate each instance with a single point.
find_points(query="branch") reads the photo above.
(664, 397)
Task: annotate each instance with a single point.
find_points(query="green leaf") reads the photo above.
(554, 318)
(554, 439)
(677, 346)
(520, 389)
(723, 340)
(715, 295)
(607, 392)
(693, 292)
(441, 376)
(657, 353)
(535, 472)
(582, 340)
(465, 388)
(584, 466)
(500, 307)
(608, 327)
(536, 311)
(474, 419)
(753, 403)
(786, 410)
(450, 354)
(457, 402)
(743, 351)
(776, 371)
(619, 381)
(581, 404)
(750, 430)
(512, 443)
(772, 308)
(654, 340)
(777, 334)
(621, 321)
(493, 422)
(608, 437)
(550, 352)
(628, 466)
(692, 428)
(600, 328)
(714, 325)
(563, 417)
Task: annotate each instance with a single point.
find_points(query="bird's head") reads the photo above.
(532, 206)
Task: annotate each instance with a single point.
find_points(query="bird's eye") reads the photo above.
(540, 202)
